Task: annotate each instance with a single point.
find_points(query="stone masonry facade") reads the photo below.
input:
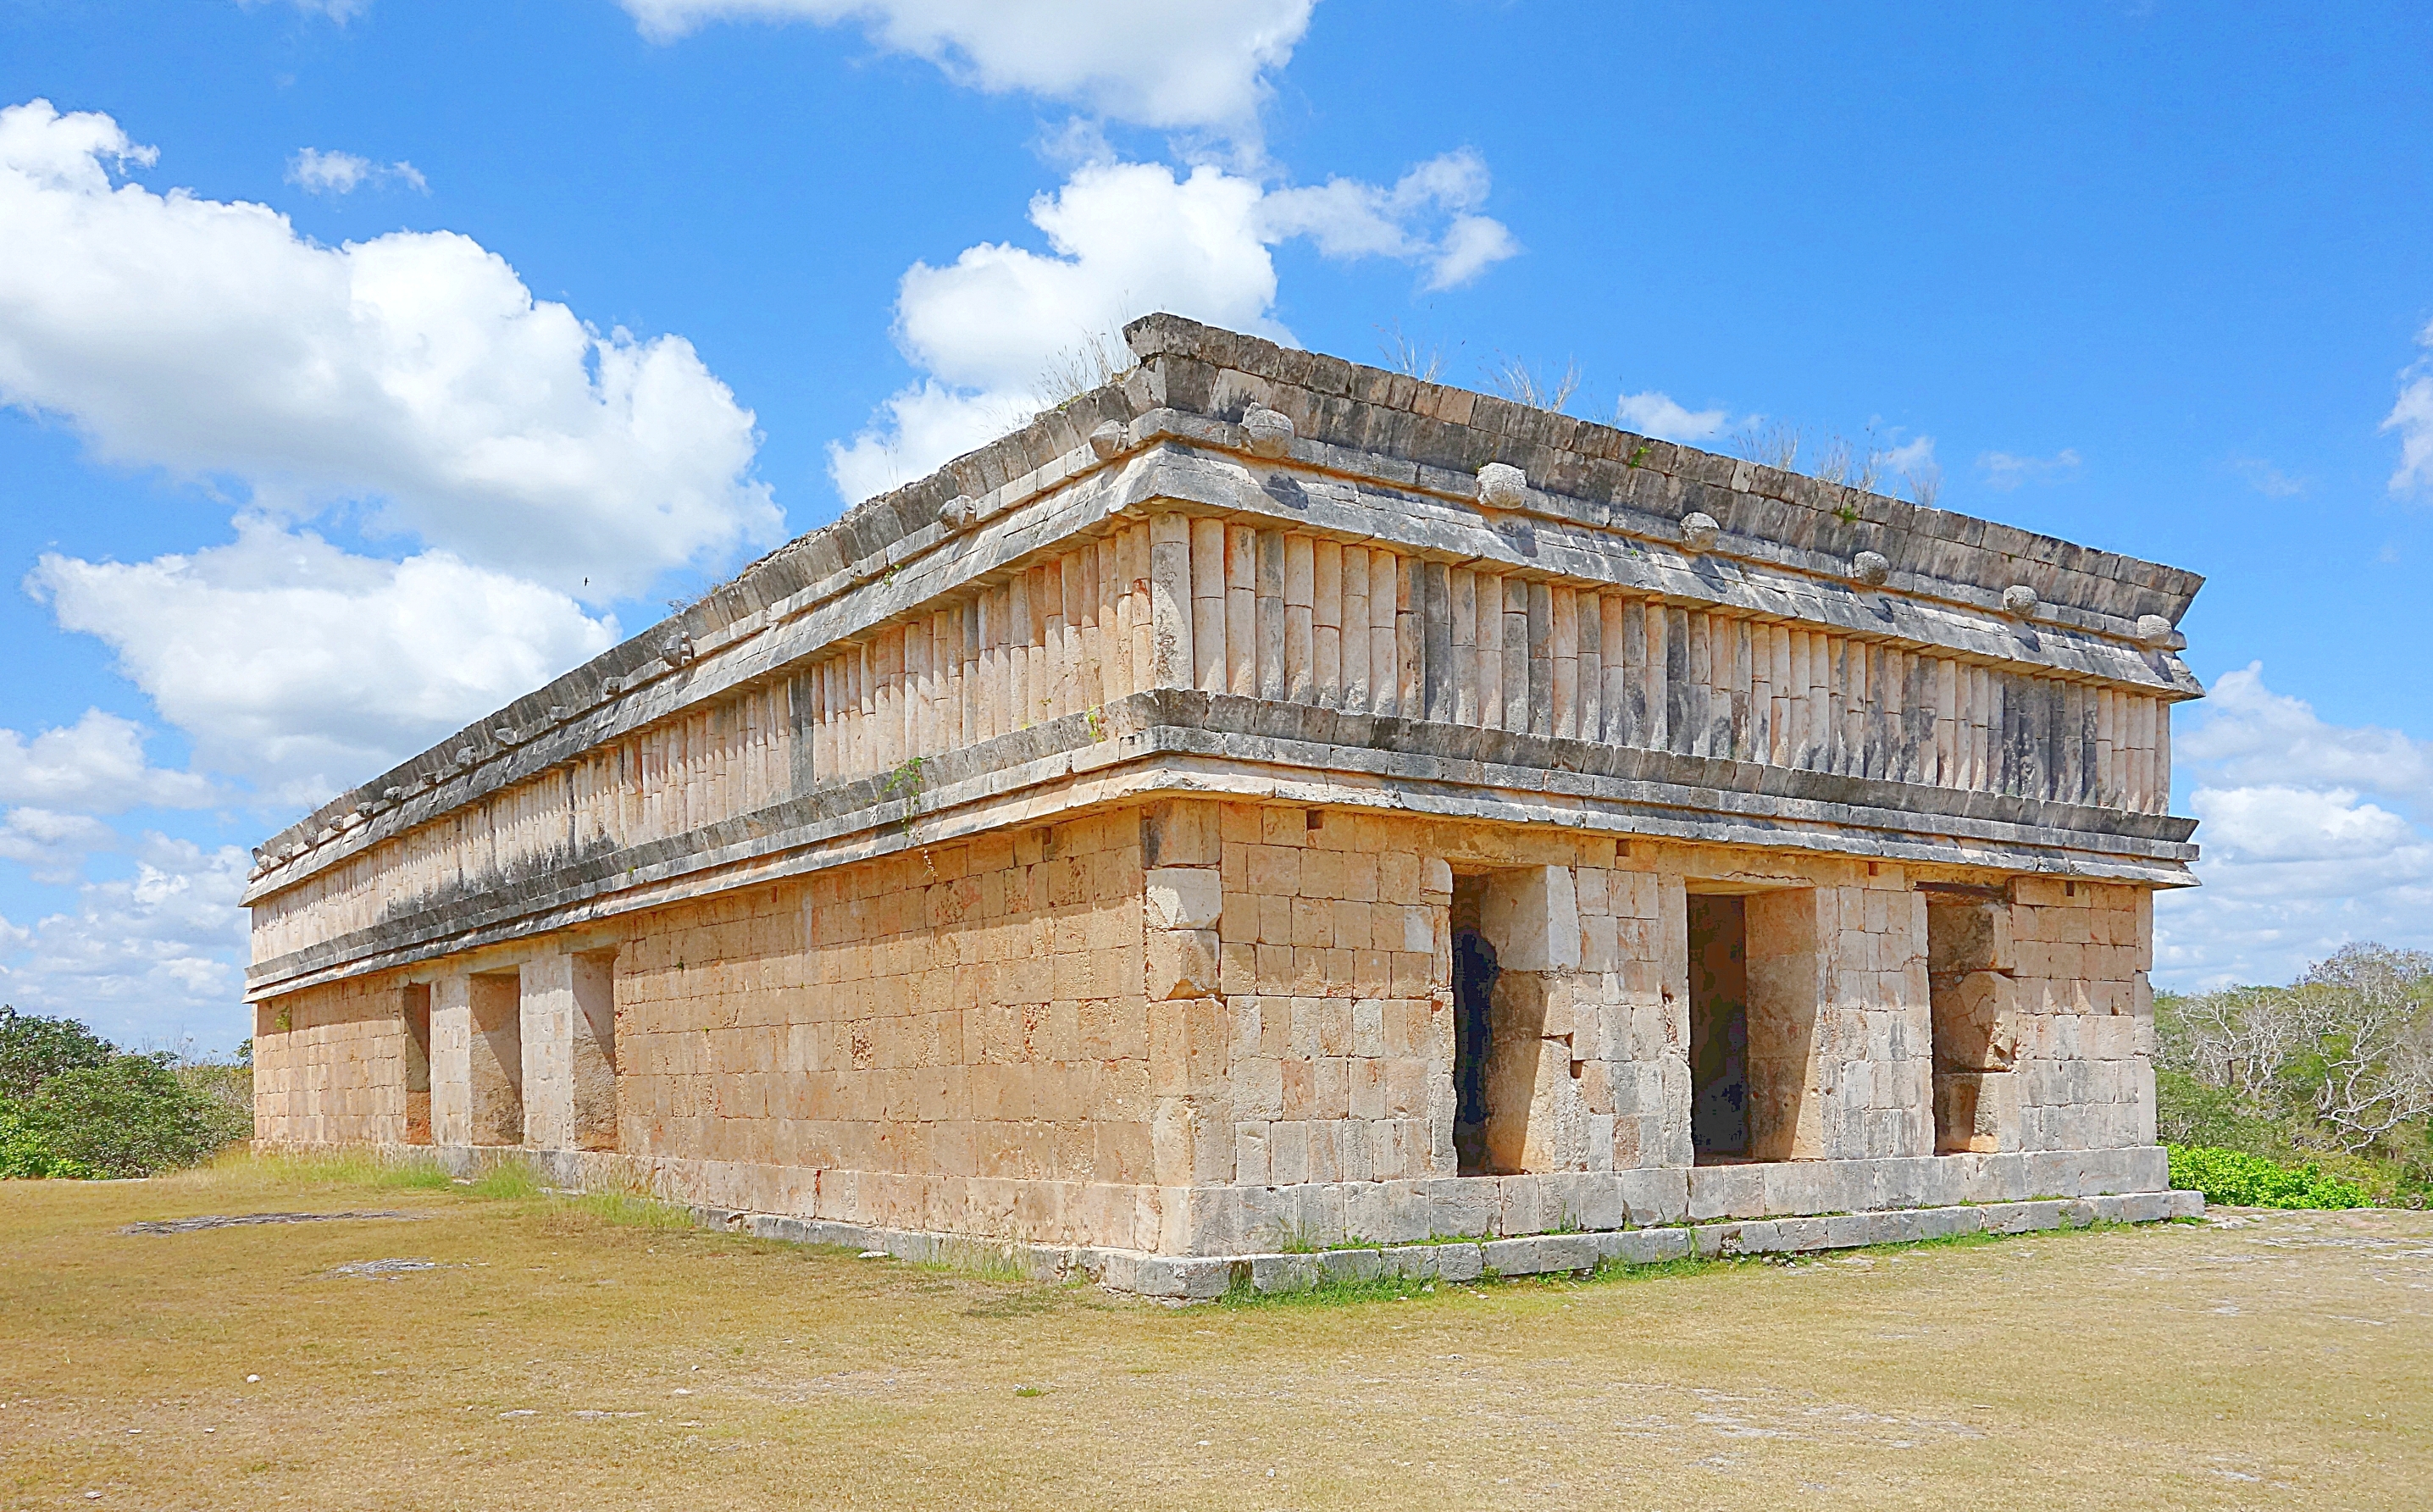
(1267, 804)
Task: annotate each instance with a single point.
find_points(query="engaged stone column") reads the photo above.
(1169, 593)
(569, 1056)
(451, 1060)
(1191, 1134)
(1969, 963)
(1537, 1120)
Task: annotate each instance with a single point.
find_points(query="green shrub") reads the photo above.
(2189, 1111)
(2242, 1180)
(129, 1116)
(34, 1048)
(73, 1105)
(26, 1156)
(226, 1093)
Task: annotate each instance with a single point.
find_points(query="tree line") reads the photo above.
(72, 1104)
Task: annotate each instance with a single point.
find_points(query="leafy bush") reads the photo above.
(131, 1116)
(24, 1156)
(229, 1092)
(72, 1106)
(2238, 1179)
(33, 1048)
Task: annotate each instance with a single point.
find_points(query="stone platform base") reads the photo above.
(1199, 1278)
(1527, 1225)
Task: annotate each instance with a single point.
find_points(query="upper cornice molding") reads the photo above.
(1215, 421)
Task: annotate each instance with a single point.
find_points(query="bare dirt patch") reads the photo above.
(551, 1358)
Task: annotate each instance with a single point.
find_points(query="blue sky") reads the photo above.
(283, 499)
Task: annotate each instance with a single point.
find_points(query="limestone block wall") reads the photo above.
(956, 1039)
(1591, 1025)
(330, 1065)
(1334, 982)
(1840, 1024)
(1593, 1013)
(2086, 1015)
(2044, 1022)
(1062, 1032)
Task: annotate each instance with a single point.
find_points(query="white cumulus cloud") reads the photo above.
(1123, 238)
(1346, 217)
(2312, 836)
(97, 765)
(1181, 64)
(51, 845)
(1651, 412)
(2411, 417)
(343, 173)
(413, 375)
(2006, 470)
(154, 957)
(2248, 735)
(307, 669)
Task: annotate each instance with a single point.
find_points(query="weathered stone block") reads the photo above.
(1644, 1247)
(1184, 897)
(1968, 937)
(1181, 963)
(1977, 1111)
(1726, 1192)
(1976, 1021)
(1463, 1206)
(1532, 914)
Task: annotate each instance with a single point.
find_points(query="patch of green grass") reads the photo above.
(1333, 1291)
(628, 1211)
(350, 1167)
(508, 1179)
(1674, 1268)
(976, 1259)
(1974, 1239)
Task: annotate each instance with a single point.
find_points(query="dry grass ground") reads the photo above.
(556, 1357)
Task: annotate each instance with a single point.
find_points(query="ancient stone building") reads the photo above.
(1270, 804)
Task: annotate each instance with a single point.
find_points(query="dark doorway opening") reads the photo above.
(1719, 1121)
(418, 1063)
(1474, 990)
